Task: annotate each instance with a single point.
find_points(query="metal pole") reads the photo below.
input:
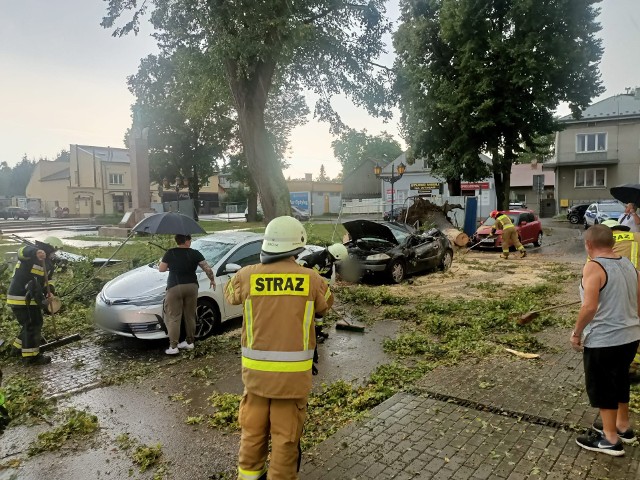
(392, 192)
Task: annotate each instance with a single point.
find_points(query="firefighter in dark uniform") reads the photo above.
(322, 262)
(27, 296)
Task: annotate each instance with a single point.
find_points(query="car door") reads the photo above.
(248, 254)
(590, 214)
(425, 251)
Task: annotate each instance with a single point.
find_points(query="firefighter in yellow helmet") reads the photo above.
(27, 296)
(280, 301)
(626, 245)
(509, 233)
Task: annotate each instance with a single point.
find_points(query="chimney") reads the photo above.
(308, 177)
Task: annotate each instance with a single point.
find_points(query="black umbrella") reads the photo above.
(627, 193)
(170, 223)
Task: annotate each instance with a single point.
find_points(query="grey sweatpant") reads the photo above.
(180, 302)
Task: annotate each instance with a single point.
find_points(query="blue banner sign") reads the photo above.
(300, 200)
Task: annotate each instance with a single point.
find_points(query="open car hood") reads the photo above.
(367, 229)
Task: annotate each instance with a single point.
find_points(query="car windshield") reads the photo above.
(400, 234)
(490, 221)
(612, 207)
(212, 250)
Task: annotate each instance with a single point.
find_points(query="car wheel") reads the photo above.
(447, 260)
(538, 242)
(574, 219)
(396, 271)
(207, 318)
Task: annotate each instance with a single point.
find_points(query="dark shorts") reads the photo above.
(606, 372)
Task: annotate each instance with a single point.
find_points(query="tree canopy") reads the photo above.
(353, 147)
(487, 75)
(327, 46)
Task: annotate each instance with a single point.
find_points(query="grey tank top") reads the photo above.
(616, 321)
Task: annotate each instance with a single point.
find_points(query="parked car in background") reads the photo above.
(394, 215)
(517, 205)
(575, 213)
(395, 250)
(598, 212)
(526, 222)
(14, 212)
(131, 304)
(302, 215)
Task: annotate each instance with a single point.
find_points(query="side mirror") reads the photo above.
(231, 268)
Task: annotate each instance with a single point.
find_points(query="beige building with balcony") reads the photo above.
(598, 151)
(95, 181)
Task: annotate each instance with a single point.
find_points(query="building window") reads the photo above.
(591, 177)
(591, 142)
(116, 179)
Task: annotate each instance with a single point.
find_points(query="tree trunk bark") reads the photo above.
(250, 98)
(252, 204)
(498, 180)
(427, 213)
(455, 186)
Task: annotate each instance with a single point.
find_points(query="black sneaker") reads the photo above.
(597, 443)
(37, 360)
(627, 437)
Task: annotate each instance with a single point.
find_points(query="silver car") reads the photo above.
(132, 303)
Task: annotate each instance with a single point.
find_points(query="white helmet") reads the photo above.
(338, 251)
(284, 235)
(54, 242)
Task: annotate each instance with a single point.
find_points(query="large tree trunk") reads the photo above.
(501, 167)
(252, 203)
(425, 212)
(455, 186)
(250, 99)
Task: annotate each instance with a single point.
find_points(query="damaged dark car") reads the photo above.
(395, 250)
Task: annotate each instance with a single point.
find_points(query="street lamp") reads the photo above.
(179, 184)
(393, 178)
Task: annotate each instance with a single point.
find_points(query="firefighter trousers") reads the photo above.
(510, 237)
(30, 336)
(282, 419)
(181, 302)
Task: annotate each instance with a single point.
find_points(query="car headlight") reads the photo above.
(378, 256)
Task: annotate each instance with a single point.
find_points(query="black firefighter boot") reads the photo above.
(39, 359)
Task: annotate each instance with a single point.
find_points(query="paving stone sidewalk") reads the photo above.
(484, 422)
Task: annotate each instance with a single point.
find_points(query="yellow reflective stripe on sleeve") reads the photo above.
(634, 253)
(250, 474)
(637, 358)
(268, 366)
(327, 294)
(20, 254)
(37, 270)
(248, 318)
(306, 324)
(279, 284)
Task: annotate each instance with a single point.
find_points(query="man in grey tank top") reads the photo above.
(608, 332)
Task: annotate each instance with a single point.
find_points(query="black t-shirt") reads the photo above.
(183, 263)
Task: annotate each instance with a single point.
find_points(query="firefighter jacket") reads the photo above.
(27, 281)
(320, 261)
(627, 245)
(278, 330)
(503, 222)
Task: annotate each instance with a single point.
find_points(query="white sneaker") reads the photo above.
(172, 351)
(186, 346)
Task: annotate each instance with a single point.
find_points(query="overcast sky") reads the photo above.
(62, 80)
